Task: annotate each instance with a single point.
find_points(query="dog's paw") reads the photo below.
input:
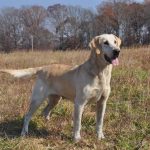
(24, 133)
(100, 136)
(46, 115)
(77, 138)
(47, 118)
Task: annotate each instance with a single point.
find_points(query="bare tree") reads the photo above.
(146, 34)
(72, 27)
(33, 24)
(124, 18)
(80, 22)
(58, 15)
(9, 29)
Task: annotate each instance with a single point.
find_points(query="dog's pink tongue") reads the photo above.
(115, 62)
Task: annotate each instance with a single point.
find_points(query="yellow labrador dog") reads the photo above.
(89, 81)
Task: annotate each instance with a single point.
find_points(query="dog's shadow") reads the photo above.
(12, 129)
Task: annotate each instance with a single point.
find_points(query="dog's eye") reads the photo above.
(106, 43)
(115, 42)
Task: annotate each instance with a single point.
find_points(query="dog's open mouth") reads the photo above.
(114, 61)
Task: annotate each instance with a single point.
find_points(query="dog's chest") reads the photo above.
(94, 89)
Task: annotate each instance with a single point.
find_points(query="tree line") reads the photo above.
(72, 27)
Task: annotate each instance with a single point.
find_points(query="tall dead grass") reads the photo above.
(127, 117)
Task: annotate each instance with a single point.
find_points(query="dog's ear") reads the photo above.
(95, 44)
(118, 41)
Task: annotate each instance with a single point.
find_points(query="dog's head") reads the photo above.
(107, 45)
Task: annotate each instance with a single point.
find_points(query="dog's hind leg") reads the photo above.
(53, 101)
(39, 94)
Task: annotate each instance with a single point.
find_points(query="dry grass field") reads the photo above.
(127, 119)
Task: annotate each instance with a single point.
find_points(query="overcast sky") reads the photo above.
(83, 3)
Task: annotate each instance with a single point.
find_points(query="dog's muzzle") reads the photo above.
(116, 53)
(114, 59)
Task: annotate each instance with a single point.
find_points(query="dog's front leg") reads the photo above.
(101, 107)
(78, 110)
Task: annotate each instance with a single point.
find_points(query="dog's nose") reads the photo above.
(116, 52)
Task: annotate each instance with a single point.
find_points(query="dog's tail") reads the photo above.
(22, 73)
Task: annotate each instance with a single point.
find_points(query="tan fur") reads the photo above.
(118, 41)
(88, 82)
